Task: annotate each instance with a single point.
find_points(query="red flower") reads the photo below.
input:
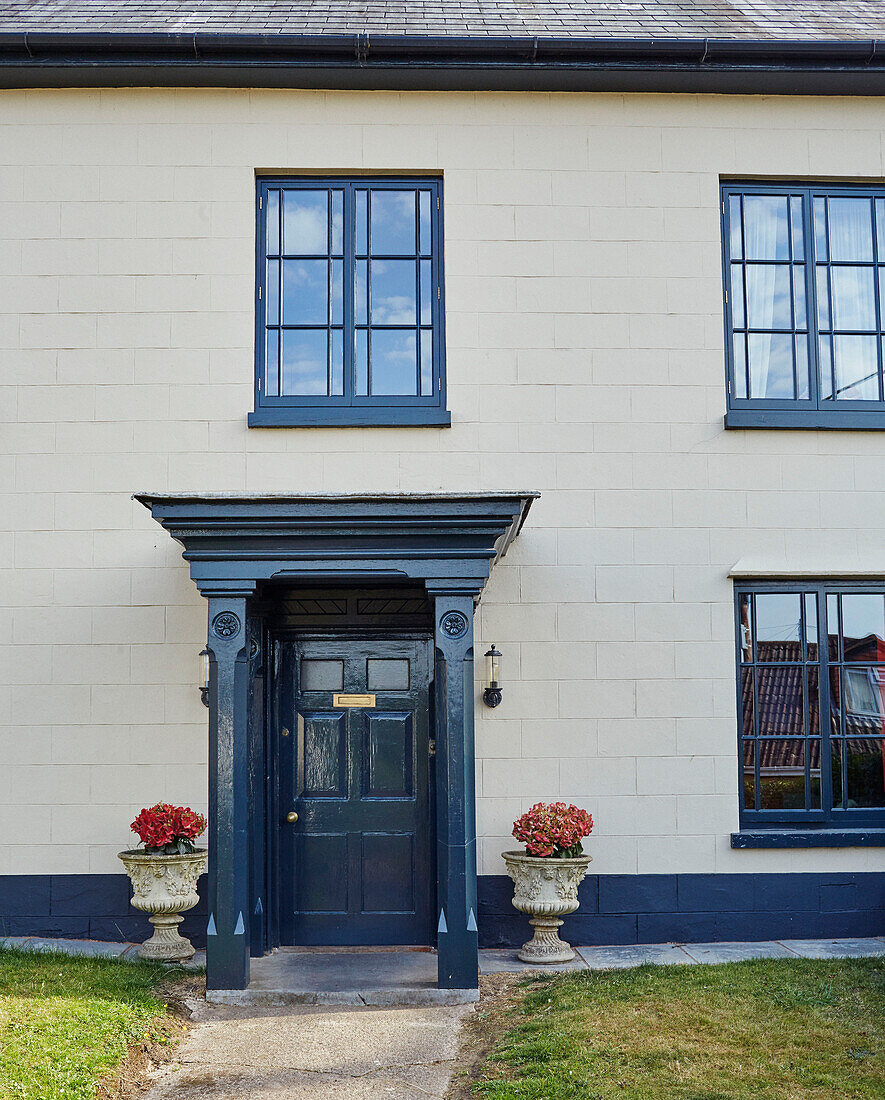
(164, 826)
(553, 829)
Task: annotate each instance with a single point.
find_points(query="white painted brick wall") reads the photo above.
(584, 359)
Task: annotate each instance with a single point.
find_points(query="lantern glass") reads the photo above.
(493, 667)
(204, 669)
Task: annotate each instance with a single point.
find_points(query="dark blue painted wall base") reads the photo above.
(618, 909)
(614, 908)
(75, 907)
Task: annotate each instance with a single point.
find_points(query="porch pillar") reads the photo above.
(457, 944)
(227, 941)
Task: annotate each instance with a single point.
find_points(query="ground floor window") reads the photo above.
(811, 703)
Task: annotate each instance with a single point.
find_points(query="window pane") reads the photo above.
(825, 359)
(851, 229)
(766, 227)
(305, 362)
(306, 223)
(863, 627)
(336, 363)
(838, 778)
(800, 311)
(426, 292)
(393, 223)
(748, 722)
(305, 292)
(833, 627)
(424, 228)
(781, 774)
(771, 365)
(778, 622)
(740, 365)
(802, 365)
(361, 363)
(272, 291)
(857, 368)
(823, 297)
(387, 675)
(426, 338)
(737, 296)
(337, 222)
(749, 772)
(322, 675)
(362, 234)
(394, 286)
(854, 298)
(735, 244)
(863, 699)
(812, 690)
(745, 616)
(780, 700)
(798, 227)
(812, 748)
(361, 293)
(811, 653)
(880, 228)
(864, 766)
(272, 230)
(272, 364)
(820, 229)
(337, 292)
(768, 296)
(394, 363)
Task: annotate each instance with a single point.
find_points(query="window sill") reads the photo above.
(810, 419)
(809, 838)
(350, 417)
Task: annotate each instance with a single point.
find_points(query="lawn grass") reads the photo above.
(769, 1029)
(66, 1020)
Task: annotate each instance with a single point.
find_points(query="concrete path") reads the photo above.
(308, 1053)
(666, 954)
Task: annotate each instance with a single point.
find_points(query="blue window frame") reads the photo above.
(804, 277)
(350, 314)
(811, 704)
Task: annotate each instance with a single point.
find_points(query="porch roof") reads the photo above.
(448, 541)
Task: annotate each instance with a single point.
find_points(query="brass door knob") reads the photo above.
(291, 817)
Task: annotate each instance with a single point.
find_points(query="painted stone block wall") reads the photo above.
(585, 359)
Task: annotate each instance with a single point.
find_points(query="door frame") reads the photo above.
(235, 545)
(276, 641)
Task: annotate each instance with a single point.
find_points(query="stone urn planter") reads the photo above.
(165, 886)
(546, 888)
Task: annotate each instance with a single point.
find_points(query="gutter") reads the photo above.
(810, 67)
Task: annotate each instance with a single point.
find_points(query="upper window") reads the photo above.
(811, 697)
(350, 309)
(805, 305)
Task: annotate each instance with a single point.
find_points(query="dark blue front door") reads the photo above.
(356, 864)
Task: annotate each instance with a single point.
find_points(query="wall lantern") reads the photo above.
(204, 676)
(492, 694)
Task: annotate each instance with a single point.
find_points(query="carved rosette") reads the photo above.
(546, 889)
(165, 887)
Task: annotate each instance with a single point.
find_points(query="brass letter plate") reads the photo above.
(339, 700)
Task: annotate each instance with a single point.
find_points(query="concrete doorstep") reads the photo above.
(295, 977)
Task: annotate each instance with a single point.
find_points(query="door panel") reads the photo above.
(357, 863)
(388, 873)
(387, 756)
(322, 754)
(319, 891)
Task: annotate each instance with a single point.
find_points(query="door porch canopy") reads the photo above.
(234, 543)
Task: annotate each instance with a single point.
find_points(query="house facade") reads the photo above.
(344, 346)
